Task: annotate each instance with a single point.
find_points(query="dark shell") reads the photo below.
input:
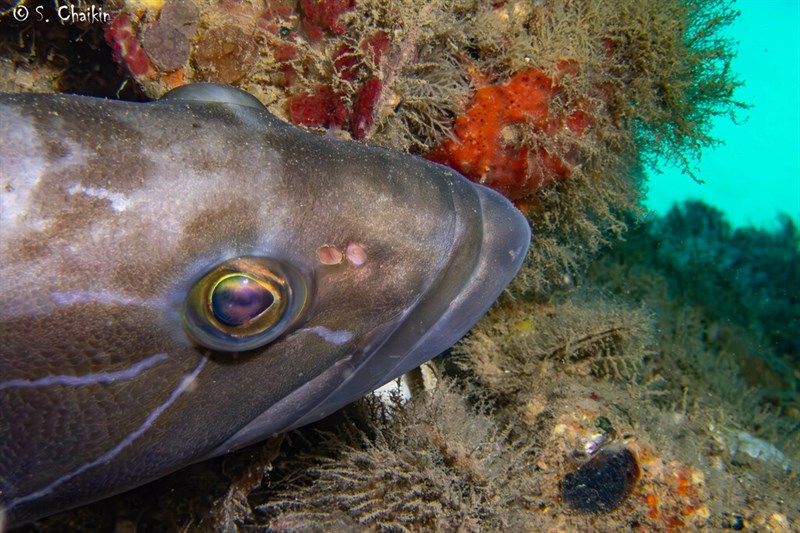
(602, 484)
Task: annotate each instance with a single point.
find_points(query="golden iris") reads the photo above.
(244, 303)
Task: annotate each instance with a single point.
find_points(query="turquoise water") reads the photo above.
(756, 173)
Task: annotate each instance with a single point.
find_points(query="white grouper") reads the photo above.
(185, 277)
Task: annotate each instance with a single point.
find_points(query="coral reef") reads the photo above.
(739, 277)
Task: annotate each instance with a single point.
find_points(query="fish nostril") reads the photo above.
(356, 254)
(329, 255)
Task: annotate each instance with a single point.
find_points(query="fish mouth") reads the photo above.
(460, 296)
(475, 274)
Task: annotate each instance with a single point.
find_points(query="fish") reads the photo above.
(188, 276)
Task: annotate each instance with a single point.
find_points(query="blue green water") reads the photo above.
(755, 174)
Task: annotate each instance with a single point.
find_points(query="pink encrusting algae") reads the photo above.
(127, 50)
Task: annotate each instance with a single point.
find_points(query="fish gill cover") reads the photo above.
(560, 105)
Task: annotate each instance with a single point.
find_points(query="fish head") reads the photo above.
(189, 276)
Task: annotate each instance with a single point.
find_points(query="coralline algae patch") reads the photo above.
(289, 52)
(362, 68)
(126, 48)
(326, 107)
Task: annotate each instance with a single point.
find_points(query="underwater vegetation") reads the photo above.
(728, 299)
(744, 276)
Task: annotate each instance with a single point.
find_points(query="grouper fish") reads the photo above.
(184, 277)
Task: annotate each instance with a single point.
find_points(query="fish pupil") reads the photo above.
(238, 299)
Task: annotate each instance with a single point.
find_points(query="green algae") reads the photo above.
(728, 310)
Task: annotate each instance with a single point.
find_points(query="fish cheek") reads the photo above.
(64, 414)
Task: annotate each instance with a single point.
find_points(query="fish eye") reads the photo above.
(243, 303)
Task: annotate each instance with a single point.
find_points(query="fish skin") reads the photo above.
(110, 211)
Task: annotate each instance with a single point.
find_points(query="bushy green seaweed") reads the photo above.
(747, 276)
(434, 464)
(728, 311)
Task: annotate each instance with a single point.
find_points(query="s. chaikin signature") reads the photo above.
(67, 14)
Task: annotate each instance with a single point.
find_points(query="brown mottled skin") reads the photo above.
(110, 211)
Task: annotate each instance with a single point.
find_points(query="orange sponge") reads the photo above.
(493, 145)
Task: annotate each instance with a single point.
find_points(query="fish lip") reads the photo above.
(506, 238)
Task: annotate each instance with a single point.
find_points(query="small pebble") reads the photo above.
(603, 483)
